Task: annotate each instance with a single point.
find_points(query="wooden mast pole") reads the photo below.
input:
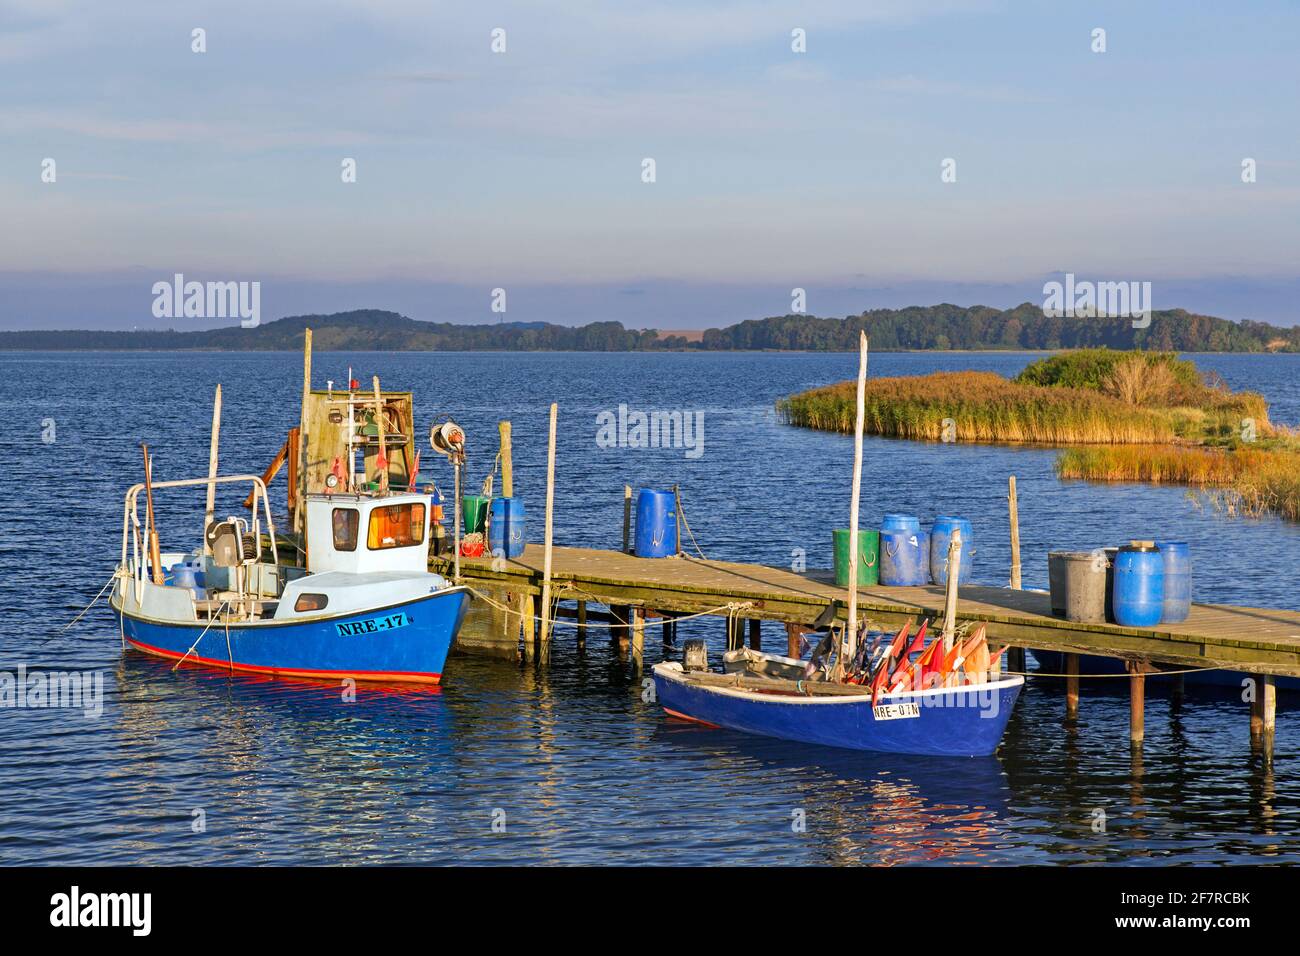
(950, 594)
(151, 527)
(382, 454)
(213, 445)
(850, 645)
(300, 513)
(550, 509)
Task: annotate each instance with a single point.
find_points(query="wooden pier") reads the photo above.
(1257, 641)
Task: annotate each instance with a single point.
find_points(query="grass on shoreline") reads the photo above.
(983, 406)
(1257, 480)
(1149, 417)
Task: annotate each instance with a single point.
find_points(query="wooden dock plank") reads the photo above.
(1241, 638)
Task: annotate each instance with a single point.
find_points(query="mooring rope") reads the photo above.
(212, 620)
(1189, 670)
(733, 608)
(93, 601)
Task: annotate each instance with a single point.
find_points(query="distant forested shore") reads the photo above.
(935, 327)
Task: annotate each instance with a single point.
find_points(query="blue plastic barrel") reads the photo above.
(506, 526)
(1178, 581)
(904, 557)
(900, 522)
(656, 524)
(1139, 595)
(940, 536)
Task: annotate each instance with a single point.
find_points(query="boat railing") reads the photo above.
(131, 520)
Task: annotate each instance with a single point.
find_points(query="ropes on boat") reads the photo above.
(93, 601)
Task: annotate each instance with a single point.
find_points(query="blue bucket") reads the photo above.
(506, 527)
(1139, 590)
(1178, 581)
(940, 536)
(656, 524)
(904, 557)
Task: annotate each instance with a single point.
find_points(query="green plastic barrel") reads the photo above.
(475, 509)
(868, 556)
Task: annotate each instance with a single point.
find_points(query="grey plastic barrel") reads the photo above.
(1077, 580)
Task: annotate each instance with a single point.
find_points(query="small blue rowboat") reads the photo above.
(365, 606)
(965, 721)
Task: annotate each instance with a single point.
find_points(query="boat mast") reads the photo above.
(850, 644)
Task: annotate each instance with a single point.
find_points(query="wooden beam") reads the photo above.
(755, 633)
(1263, 714)
(1014, 509)
(213, 444)
(550, 520)
(507, 466)
(272, 470)
(291, 477)
(300, 517)
(638, 633)
(627, 519)
(1072, 685)
(1136, 702)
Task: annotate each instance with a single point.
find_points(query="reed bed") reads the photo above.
(983, 407)
(1256, 480)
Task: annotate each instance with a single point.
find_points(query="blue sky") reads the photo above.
(522, 170)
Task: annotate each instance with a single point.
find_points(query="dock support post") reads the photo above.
(792, 640)
(582, 624)
(1016, 660)
(550, 511)
(669, 629)
(1071, 685)
(1263, 714)
(618, 630)
(528, 611)
(638, 635)
(507, 465)
(1014, 509)
(755, 634)
(627, 519)
(1137, 680)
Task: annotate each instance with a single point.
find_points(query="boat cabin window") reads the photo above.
(311, 602)
(347, 522)
(396, 526)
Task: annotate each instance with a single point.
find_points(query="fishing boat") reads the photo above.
(769, 694)
(347, 594)
(365, 606)
(947, 698)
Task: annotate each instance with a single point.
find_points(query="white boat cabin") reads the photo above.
(358, 534)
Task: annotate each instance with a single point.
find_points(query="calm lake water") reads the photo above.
(577, 765)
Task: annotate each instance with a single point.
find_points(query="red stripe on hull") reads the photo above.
(694, 720)
(405, 677)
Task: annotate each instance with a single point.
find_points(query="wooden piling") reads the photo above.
(755, 634)
(1263, 714)
(550, 509)
(792, 642)
(627, 519)
(1014, 510)
(528, 613)
(213, 444)
(1137, 680)
(638, 634)
(1072, 685)
(582, 623)
(300, 516)
(507, 466)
